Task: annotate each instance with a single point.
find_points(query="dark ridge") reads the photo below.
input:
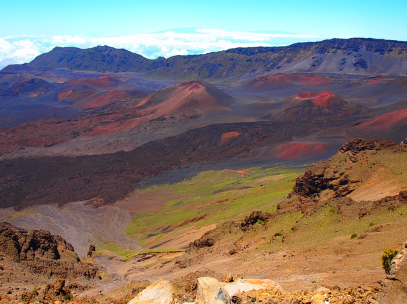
(236, 62)
(45, 180)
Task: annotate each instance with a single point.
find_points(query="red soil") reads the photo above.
(182, 98)
(301, 150)
(117, 126)
(105, 98)
(101, 82)
(312, 80)
(64, 94)
(378, 80)
(271, 81)
(322, 99)
(239, 171)
(387, 121)
(228, 137)
(76, 98)
(281, 80)
(47, 132)
(191, 87)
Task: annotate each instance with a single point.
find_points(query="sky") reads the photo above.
(166, 28)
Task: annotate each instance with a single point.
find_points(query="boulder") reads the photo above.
(244, 285)
(318, 299)
(161, 292)
(210, 291)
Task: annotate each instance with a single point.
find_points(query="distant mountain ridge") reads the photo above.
(100, 58)
(363, 56)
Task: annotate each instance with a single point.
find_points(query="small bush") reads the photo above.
(387, 257)
(354, 236)
(67, 297)
(260, 222)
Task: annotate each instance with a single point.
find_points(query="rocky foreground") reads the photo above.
(209, 290)
(237, 290)
(203, 290)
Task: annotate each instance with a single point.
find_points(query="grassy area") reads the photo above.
(114, 249)
(207, 198)
(14, 215)
(326, 226)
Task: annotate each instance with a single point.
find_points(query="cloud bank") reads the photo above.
(21, 49)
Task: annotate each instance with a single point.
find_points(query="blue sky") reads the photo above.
(28, 28)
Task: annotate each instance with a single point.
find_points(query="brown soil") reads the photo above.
(260, 252)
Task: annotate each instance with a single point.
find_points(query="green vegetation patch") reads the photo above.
(210, 197)
(14, 215)
(114, 249)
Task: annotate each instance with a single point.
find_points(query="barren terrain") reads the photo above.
(282, 163)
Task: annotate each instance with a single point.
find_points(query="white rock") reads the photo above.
(322, 290)
(161, 292)
(244, 285)
(210, 291)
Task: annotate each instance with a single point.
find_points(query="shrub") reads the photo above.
(67, 297)
(354, 236)
(260, 222)
(387, 257)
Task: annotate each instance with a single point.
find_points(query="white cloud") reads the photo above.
(20, 49)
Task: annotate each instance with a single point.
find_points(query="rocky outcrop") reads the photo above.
(254, 218)
(43, 253)
(161, 292)
(342, 174)
(204, 241)
(318, 179)
(51, 293)
(357, 145)
(91, 250)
